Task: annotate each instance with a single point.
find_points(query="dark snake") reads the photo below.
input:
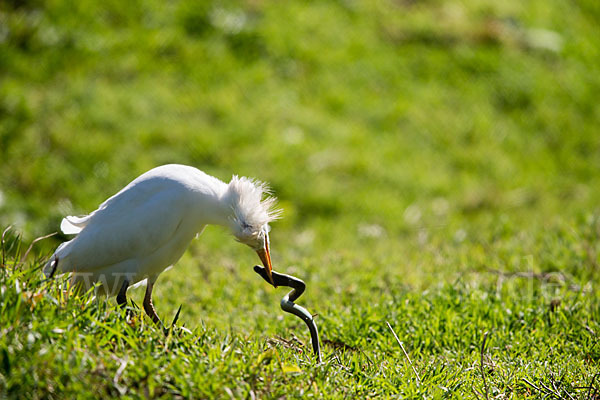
(288, 305)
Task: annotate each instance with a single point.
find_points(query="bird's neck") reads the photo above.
(220, 214)
(214, 205)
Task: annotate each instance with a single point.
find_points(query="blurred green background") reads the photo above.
(390, 115)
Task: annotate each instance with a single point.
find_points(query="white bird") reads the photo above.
(146, 227)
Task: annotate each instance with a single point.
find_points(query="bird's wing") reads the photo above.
(133, 224)
(72, 225)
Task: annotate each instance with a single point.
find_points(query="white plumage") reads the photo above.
(146, 227)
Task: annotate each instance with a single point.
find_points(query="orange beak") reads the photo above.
(265, 257)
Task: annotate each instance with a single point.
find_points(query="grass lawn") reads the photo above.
(437, 164)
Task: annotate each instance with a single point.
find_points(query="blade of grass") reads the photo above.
(485, 385)
(24, 257)
(116, 333)
(405, 353)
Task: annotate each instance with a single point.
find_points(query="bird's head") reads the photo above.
(252, 210)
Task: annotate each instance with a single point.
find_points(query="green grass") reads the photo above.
(541, 329)
(437, 165)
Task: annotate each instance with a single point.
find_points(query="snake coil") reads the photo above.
(288, 305)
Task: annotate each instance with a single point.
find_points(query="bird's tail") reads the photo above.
(73, 225)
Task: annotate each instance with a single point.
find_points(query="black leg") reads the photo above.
(54, 265)
(148, 306)
(122, 296)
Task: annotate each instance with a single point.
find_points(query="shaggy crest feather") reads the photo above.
(250, 211)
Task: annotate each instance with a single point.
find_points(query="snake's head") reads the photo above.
(262, 271)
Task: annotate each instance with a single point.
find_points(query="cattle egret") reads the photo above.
(146, 227)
